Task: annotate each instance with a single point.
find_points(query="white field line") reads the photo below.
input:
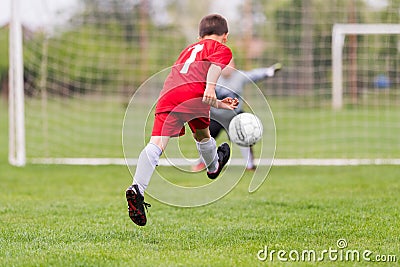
(234, 162)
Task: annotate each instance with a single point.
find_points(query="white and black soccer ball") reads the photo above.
(245, 129)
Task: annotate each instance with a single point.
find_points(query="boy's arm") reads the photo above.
(209, 96)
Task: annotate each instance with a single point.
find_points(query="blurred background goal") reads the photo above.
(74, 68)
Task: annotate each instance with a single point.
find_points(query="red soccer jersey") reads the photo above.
(184, 87)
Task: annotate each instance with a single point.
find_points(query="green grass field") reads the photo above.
(77, 216)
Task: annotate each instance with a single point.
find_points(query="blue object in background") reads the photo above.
(382, 81)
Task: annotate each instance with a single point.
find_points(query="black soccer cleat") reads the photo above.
(223, 152)
(136, 205)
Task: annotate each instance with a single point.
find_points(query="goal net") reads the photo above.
(74, 71)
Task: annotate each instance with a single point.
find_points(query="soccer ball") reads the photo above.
(245, 129)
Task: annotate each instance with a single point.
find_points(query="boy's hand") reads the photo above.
(209, 96)
(228, 103)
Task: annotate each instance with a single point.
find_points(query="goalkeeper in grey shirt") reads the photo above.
(231, 84)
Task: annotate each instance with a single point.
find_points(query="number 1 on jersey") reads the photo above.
(195, 49)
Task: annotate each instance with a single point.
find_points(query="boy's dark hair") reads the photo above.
(213, 24)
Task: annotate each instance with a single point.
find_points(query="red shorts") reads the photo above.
(173, 123)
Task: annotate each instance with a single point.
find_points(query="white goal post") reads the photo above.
(17, 154)
(339, 33)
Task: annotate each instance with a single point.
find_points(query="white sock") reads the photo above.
(248, 156)
(208, 153)
(147, 162)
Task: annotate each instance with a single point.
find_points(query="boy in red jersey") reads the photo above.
(187, 95)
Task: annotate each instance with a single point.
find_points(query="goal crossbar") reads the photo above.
(339, 33)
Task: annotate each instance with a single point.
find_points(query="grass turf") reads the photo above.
(77, 216)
